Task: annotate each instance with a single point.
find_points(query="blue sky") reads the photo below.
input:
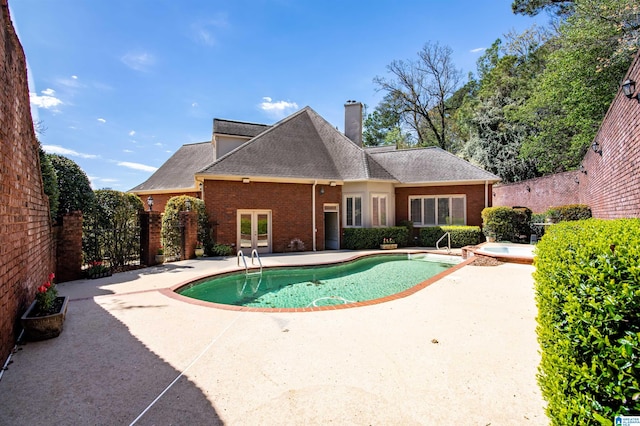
(120, 85)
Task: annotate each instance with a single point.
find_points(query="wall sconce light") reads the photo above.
(187, 204)
(595, 146)
(321, 190)
(582, 169)
(332, 183)
(629, 88)
(150, 202)
(200, 186)
(245, 180)
(576, 180)
(528, 188)
(493, 193)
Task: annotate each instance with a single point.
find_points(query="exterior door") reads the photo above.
(331, 227)
(254, 231)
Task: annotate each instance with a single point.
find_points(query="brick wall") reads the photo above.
(69, 247)
(541, 193)
(611, 184)
(475, 199)
(150, 236)
(290, 206)
(27, 251)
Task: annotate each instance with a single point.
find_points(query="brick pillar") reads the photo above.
(150, 240)
(189, 229)
(69, 248)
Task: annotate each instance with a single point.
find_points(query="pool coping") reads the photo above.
(171, 291)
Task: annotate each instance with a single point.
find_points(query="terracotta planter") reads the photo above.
(199, 252)
(388, 246)
(45, 327)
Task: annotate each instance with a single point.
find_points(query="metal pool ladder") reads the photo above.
(254, 255)
(448, 247)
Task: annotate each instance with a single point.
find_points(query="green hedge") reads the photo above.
(370, 238)
(171, 237)
(588, 295)
(569, 212)
(498, 222)
(460, 235)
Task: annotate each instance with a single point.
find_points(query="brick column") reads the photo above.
(150, 240)
(69, 248)
(189, 227)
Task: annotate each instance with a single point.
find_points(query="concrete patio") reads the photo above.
(461, 351)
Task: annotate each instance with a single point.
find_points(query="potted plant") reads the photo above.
(388, 244)
(97, 269)
(199, 249)
(160, 255)
(45, 317)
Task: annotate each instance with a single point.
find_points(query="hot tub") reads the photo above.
(507, 252)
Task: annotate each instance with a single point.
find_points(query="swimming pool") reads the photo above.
(364, 279)
(508, 252)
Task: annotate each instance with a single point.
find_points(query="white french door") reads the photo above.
(254, 231)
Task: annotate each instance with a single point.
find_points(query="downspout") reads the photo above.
(486, 193)
(313, 212)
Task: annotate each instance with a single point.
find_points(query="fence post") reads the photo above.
(150, 240)
(69, 247)
(189, 228)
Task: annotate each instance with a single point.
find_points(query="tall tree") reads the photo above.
(592, 53)
(384, 125)
(533, 7)
(421, 88)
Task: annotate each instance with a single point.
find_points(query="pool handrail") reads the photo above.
(448, 235)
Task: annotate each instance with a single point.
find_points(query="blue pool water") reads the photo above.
(364, 279)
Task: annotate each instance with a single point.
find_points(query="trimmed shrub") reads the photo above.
(521, 227)
(587, 282)
(569, 212)
(460, 235)
(498, 222)
(371, 238)
(112, 228)
(171, 220)
(73, 185)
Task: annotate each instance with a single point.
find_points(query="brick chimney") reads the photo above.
(353, 121)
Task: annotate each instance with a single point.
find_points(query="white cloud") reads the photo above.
(128, 151)
(75, 77)
(46, 101)
(55, 149)
(478, 49)
(131, 133)
(195, 104)
(278, 109)
(108, 180)
(102, 120)
(158, 144)
(139, 61)
(137, 166)
(204, 31)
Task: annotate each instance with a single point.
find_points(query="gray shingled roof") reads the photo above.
(237, 128)
(179, 170)
(303, 145)
(430, 164)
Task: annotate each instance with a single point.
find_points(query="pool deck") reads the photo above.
(462, 350)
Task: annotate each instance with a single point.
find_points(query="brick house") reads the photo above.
(302, 179)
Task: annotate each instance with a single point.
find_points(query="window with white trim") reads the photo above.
(353, 210)
(438, 210)
(379, 210)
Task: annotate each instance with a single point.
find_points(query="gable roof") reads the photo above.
(431, 164)
(303, 145)
(179, 170)
(237, 128)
